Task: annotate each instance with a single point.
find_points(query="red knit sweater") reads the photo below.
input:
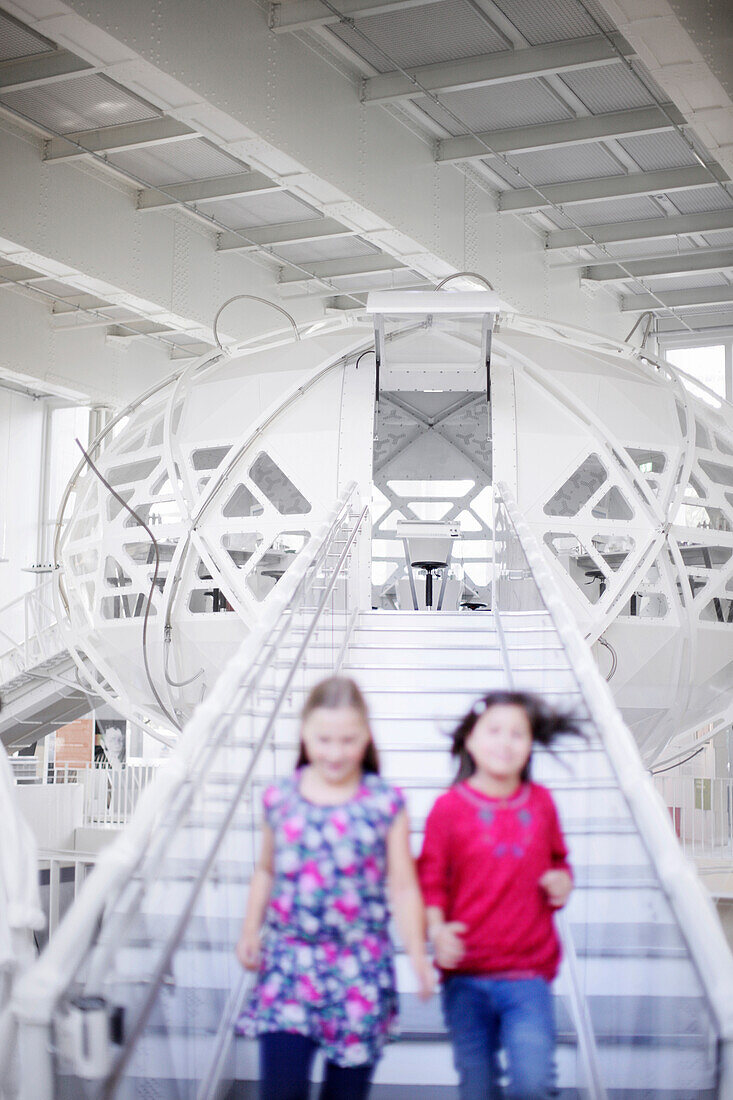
(481, 863)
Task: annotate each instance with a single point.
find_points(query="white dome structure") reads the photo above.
(621, 465)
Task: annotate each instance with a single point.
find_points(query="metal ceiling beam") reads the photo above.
(17, 273)
(225, 187)
(116, 139)
(701, 259)
(336, 269)
(678, 299)
(301, 15)
(79, 301)
(648, 229)
(524, 200)
(495, 68)
(134, 329)
(356, 289)
(45, 68)
(574, 131)
(266, 236)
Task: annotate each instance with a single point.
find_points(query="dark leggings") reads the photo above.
(285, 1065)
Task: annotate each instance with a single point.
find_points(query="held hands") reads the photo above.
(425, 973)
(558, 886)
(447, 944)
(249, 951)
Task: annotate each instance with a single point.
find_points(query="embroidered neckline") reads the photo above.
(485, 802)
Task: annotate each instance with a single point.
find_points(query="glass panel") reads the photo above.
(208, 458)
(274, 563)
(113, 505)
(649, 462)
(240, 547)
(155, 513)
(575, 493)
(130, 606)
(722, 475)
(114, 575)
(614, 549)
(613, 506)
(132, 471)
(702, 439)
(243, 502)
(578, 563)
(277, 487)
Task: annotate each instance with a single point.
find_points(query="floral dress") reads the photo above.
(327, 967)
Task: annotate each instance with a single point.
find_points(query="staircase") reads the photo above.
(39, 686)
(641, 998)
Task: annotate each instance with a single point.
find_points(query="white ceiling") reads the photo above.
(561, 115)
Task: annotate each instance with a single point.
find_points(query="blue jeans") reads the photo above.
(486, 1015)
(285, 1065)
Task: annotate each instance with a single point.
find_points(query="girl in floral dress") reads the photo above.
(335, 835)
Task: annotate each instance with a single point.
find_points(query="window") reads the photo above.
(706, 364)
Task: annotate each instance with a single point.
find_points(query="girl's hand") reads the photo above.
(249, 951)
(425, 972)
(447, 944)
(558, 886)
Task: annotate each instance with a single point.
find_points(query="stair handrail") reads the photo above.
(161, 807)
(691, 905)
(33, 629)
(20, 913)
(579, 1008)
(173, 942)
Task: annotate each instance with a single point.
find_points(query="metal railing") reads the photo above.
(523, 581)
(111, 795)
(701, 812)
(29, 631)
(146, 911)
(521, 593)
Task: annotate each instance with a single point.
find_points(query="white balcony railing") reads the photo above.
(702, 815)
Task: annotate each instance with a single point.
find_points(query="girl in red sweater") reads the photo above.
(492, 870)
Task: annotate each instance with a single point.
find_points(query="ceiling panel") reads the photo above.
(540, 21)
(340, 249)
(656, 151)
(177, 162)
(19, 41)
(519, 103)
(385, 280)
(699, 199)
(84, 103)
(270, 209)
(423, 35)
(574, 162)
(607, 88)
(637, 249)
(686, 282)
(608, 211)
(720, 237)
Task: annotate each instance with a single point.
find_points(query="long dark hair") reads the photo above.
(545, 723)
(332, 694)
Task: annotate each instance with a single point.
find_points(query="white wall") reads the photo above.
(52, 811)
(21, 438)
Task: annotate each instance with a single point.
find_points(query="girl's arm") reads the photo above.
(407, 902)
(260, 888)
(557, 882)
(434, 871)
(445, 937)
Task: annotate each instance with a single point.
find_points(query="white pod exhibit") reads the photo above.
(621, 465)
